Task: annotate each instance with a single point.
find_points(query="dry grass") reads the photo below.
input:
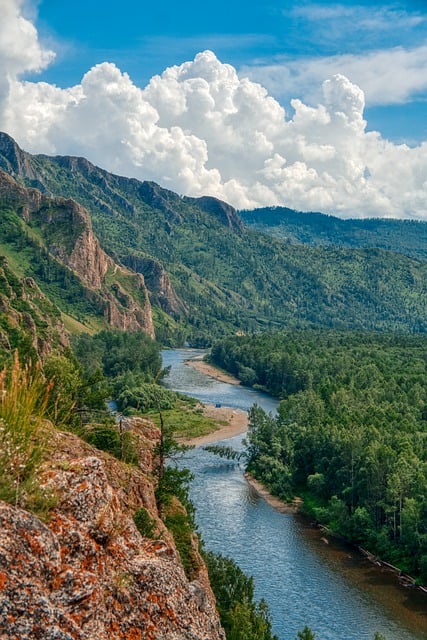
(24, 434)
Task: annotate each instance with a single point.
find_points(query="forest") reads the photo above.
(350, 435)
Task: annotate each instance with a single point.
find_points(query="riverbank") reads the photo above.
(230, 422)
(209, 370)
(276, 503)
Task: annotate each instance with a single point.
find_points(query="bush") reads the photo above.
(241, 617)
(144, 523)
(108, 438)
(24, 436)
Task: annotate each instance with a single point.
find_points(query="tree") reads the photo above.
(306, 634)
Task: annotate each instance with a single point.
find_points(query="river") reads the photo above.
(330, 588)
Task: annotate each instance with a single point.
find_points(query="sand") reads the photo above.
(209, 370)
(236, 420)
(236, 423)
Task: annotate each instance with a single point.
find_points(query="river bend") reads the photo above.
(332, 590)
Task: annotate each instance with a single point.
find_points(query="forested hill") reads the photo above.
(221, 275)
(317, 229)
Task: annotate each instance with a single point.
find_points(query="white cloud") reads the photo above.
(388, 76)
(20, 49)
(358, 17)
(200, 128)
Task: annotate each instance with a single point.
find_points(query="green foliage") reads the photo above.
(225, 452)
(235, 278)
(241, 617)
(316, 229)
(146, 397)
(24, 437)
(306, 634)
(119, 354)
(349, 434)
(108, 437)
(144, 523)
(180, 525)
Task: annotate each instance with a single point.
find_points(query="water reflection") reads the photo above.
(302, 581)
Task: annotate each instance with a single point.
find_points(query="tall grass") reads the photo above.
(24, 434)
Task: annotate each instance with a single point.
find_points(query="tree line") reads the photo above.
(350, 435)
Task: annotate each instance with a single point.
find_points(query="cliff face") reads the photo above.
(159, 284)
(26, 314)
(65, 229)
(88, 573)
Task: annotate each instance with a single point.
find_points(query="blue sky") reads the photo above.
(316, 105)
(256, 37)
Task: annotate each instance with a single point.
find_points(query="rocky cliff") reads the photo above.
(88, 573)
(27, 315)
(63, 228)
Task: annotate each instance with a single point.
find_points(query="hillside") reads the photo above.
(50, 241)
(211, 275)
(92, 569)
(408, 237)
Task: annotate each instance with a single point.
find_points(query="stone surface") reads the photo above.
(87, 573)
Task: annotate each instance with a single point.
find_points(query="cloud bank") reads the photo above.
(202, 129)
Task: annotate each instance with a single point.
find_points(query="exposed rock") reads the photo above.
(88, 573)
(158, 283)
(67, 230)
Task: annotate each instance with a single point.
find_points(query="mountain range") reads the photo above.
(106, 250)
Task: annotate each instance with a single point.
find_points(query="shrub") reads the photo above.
(24, 435)
(144, 523)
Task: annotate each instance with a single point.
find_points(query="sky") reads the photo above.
(317, 105)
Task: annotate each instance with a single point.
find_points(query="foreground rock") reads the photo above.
(88, 573)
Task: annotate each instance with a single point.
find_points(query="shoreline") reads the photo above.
(209, 370)
(277, 504)
(236, 423)
(236, 420)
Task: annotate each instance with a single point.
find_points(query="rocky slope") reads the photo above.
(63, 229)
(88, 573)
(27, 316)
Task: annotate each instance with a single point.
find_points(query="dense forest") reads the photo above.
(350, 435)
(408, 237)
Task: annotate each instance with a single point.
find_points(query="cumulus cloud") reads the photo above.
(20, 49)
(387, 76)
(202, 129)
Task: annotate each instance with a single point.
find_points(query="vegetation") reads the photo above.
(144, 523)
(241, 617)
(232, 278)
(408, 237)
(350, 432)
(24, 436)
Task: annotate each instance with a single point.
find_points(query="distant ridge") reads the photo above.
(212, 271)
(408, 237)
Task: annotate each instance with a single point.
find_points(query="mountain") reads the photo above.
(29, 321)
(408, 237)
(211, 274)
(50, 243)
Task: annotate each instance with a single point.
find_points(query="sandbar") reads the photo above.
(236, 422)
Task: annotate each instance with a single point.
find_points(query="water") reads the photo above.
(303, 581)
(194, 383)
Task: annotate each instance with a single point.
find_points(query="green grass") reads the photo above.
(24, 437)
(186, 420)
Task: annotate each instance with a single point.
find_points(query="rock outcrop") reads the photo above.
(88, 573)
(65, 230)
(158, 283)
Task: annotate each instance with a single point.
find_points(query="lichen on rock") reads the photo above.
(88, 573)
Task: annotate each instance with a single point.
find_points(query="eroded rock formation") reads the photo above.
(88, 573)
